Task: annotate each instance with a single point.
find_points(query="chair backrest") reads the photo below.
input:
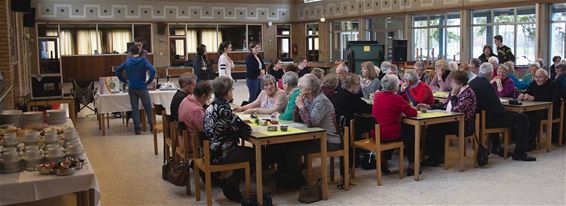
(482, 122)
(193, 139)
(562, 105)
(477, 125)
(206, 148)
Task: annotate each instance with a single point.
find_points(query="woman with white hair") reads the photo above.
(290, 83)
(494, 61)
(523, 83)
(415, 91)
(421, 72)
(388, 107)
(270, 100)
(453, 65)
(314, 109)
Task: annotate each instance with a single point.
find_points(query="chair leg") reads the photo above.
(560, 132)
(401, 163)
(331, 168)
(378, 167)
(197, 183)
(346, 172)
(506, 145)
(446, 159)
(154, 141)
(475, 148)
(308, 163)
(353, 163)
(208, 185)
(248, 180)
(188, 187)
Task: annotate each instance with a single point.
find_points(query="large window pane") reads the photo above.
(47, 30)
(420, 43)
(559, 12)
(453, 20)
(235, 34)
(557, 39)
(453, 43)
(479, 38)
(80, 39)
(115, 38)
(420, 21)
(526, 15)
(525, 43)
(481, 17)
(504, 16)
(177, 30)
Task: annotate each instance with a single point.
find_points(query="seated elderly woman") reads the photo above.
(370, 83)
(504, 86)
(387, 110)
(440, 82)
(421, 72)
(461, 99)
(191, 110)
(225, 129)
(329, 86)
(541, 89)
(287, 68)
(415, 91)
(318, 72)
(315, 110)
(468, 69)
(346, 102)
(270, 100)
(453, 65)
(527, 79)
(290, 82)
(494, 61)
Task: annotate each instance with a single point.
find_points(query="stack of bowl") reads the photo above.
(32, 118)
(55, 117)
(11, 117)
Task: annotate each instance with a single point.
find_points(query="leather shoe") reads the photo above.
(523, 157)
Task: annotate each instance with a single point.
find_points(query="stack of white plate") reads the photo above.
(13, 117)
(58, 116)
(32, 118)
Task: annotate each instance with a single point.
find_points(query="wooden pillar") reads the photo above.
(542, 42)
(465, 36)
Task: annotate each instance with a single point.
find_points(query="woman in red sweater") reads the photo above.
(387, 110)
(415, 91)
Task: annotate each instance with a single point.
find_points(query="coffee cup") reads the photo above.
(283, 128)
(10, 140)
(50, 138)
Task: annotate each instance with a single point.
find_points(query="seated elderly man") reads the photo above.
(341, 71)
(475, 66)
(290, 83)
(270, 100)
(497, 117)
(187, 83)
(415, 91)
(421, 72)
(541, 89)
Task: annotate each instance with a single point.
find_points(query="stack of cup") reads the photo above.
(32, 157)
(11, 160)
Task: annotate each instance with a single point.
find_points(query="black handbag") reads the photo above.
(310, 194)
(483, 155)
(175, 171)
(252, 200)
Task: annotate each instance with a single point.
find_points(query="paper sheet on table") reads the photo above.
(289, 131)
(432, 114)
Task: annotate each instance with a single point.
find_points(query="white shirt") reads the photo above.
(225, 66)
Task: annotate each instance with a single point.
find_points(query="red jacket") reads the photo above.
(387, 110)
(421, 94)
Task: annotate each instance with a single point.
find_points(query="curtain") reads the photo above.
(192, 41)
(87, 41)
(179, 32)
(67, 43)
(180, 47)
(117, 40)
(209, 39)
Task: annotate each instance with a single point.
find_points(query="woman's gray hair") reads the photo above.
(485, 69)
(330, 81)
(222, 85)
(267, 78)
(411, 75)
(493, 60)
(350, 80)
(534, 64)
(390, 83)
(452, 66)
(290, 78)
(419, 65)
(318, 72)
(311, 83)
(385, 65)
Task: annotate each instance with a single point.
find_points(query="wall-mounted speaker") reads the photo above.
(399, 50)
(161, 28)
(20, 5)
(29, 18)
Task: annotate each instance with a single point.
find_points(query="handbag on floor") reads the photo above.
(252, 200)
(175, 171)
(483, 155)
(310, 194)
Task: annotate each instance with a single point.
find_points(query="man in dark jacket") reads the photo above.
(496, 116)
(187, 82)
(136, 68)
(504, 53)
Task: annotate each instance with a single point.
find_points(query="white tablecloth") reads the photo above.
(120, 102)
(29, 186)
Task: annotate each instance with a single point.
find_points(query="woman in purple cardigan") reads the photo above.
(503, 85)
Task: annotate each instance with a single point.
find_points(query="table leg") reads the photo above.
(108, 120)
(143, 120)
(549, 130)
(417, 160)
(73, 112)
(102, 124)
(258, 174)
(461, 144)
(154, 132)
(324, 166)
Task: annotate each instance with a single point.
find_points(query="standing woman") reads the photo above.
(225, 64)
(254, 67)
(201, 65)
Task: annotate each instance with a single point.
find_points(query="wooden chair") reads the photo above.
(344, 153)
(378, 147)
(203, 164)
(470, 139)
(558, 121)
(505, 132)
(169, 132)
(181, 152)
(157, 128)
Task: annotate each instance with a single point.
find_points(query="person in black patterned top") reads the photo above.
(224, 128)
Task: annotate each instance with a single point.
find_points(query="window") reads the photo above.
(558, 31)
(342, 33)
(283, 41)
(312, 42)
(384, 30)
(516, 26)
(436, 36)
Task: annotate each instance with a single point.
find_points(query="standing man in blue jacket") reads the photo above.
(136, 68)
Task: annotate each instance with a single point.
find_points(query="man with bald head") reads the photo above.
(541, 89)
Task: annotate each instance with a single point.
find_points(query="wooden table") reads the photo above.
(436, 117)
(259, 138)
(65, 100)
(529, 106)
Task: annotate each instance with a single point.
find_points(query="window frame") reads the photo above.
(442, 38)
(550, 32)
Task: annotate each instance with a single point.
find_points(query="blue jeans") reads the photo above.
(254, 88)
(135, 96)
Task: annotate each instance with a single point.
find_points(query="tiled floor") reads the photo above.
(130, 174)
